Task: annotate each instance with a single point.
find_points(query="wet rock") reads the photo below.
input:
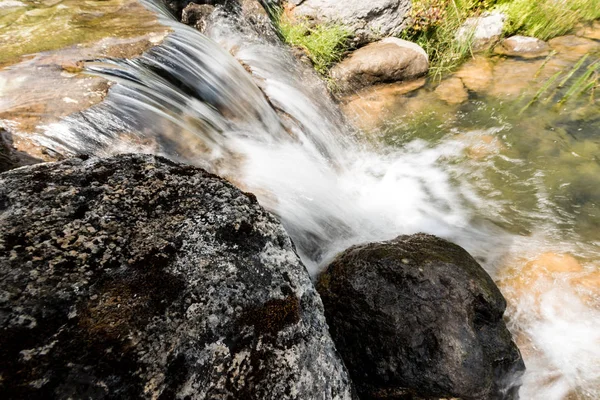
(484, 30)
(452, 91)
(418, 315)
(9, 156)
(196, 15)
(476, 74)
(135, 277)
(257, 16)
(177, 6)
(388, 60)
(367, 20)
(590, 30)
(522, 46)
(573, 46)
(370, 107)
(248, 16)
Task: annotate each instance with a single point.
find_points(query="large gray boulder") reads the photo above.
(388, 60)
(418, 315)
(135, 277)
(367, 20)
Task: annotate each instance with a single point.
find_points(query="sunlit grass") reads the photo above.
(546, 19)
(325, 44)
(573, 84)
(435, 23)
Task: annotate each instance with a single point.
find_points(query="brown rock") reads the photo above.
(452, 91)
(591, 31)
(522, 46)
(573, 46)
(389, 60)
(369, 107)
(196, 15)
(476, 74)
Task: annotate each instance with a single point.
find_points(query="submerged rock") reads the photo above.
(367, 20)
(476, 74)
(522, 46)
(389, 60)
(573, 47)
(452, 91)
(418, 315)
(135, 277)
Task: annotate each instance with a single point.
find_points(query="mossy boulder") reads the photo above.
(135, 277)
(418, 316)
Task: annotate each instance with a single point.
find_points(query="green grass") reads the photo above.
(435, 27)
(565, 86)
(435, 23)
(325, 44)
(545, 19)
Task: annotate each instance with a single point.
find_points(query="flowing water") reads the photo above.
(517, 187)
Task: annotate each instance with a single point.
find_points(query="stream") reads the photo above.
(510, 172)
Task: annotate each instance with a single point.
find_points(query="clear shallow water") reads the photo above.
(31, 26)
(535, 173)
(518, 191)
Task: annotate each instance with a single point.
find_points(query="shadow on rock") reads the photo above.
(9, 156)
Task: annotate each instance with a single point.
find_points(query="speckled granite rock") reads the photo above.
(367, 20)
(418, 316)
(135, 277)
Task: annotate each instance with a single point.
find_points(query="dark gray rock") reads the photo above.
(248, 16)
(418, 315)
(197, 15)
(135, 277)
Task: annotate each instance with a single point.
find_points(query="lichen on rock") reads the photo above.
(136, 277)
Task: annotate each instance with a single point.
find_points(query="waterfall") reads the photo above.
(266, 122)
(274, 132)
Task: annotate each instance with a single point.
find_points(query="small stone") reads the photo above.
(522, 46)
(484, 30)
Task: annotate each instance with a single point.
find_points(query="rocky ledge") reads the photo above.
(135, 277)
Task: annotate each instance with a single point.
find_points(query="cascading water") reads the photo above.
(190, 100)
(275, 132)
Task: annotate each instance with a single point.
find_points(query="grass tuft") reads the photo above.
(325, 44)
(434, 27)
(546, 19)
(573, 84)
